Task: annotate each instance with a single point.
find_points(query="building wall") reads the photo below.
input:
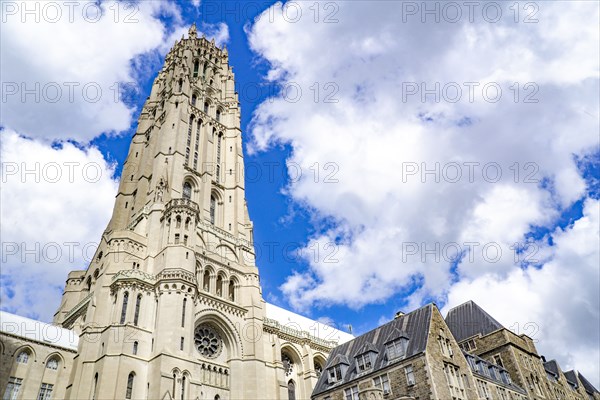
(34, 372)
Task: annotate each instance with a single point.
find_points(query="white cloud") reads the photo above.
(55, 204)
(62, 221)
(376, 132)
(556, 305)
(75, 68)
(76, 63)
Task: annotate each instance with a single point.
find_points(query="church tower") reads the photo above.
(170, 307)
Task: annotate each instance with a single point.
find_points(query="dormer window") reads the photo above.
(482, 367)
(335, 374)
(396, 348)
(505, 377)
(472, 363)
(366, 358)
(364, 362)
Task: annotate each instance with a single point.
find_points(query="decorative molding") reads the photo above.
(297, 336)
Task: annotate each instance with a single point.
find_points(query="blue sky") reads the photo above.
(282, 227)
(377, 61)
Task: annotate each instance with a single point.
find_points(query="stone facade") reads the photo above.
(35, 356)
(494, 364)
(171, 306)
(517, 353)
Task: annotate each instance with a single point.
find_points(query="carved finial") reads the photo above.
(193, 32)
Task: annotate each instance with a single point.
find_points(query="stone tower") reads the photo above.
(171, 307)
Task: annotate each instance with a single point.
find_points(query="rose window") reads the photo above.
(208, 342)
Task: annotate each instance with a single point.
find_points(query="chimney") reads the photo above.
(399, 314)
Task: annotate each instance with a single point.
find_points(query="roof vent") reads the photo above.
(399, 314)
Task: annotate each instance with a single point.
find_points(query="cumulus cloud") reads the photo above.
(441, 144)
(56, 201)
(556, 305)
(64, 78)
(65, 67)
(57, 191)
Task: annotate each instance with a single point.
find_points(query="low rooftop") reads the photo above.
(38, 331)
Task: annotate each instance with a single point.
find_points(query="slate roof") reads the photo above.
(552, 367)
(571, 378)
(496, 380)
(586, 384)
(39, 331)
(468, 319)
(414, 326)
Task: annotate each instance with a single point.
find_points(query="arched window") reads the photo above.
(291, 390)
(189, 140)
(136, 315)
(206, 281)
(129, 391)
(217, 397)
(94, 386)
(218, 157)
(52, 364)
(124, 308)
(187, 223)
(218, 115)
(135, 348)
(88, 283)
(196, 68)
(213, 209)
(180, 85)
(187, 190)
(183, 388)
(194, 98)
(174, 381)
(231, 290)
(178, 222)
(219, 285)
(206, 107)
(23, 357)
(318, 368)
(183, 313)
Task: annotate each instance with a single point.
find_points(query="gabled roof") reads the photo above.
(552, 367)
(396, 334)
(468, 319)
(339, 359)
(571, 377)
(414, 325)
(368, 347)
(586, 384)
